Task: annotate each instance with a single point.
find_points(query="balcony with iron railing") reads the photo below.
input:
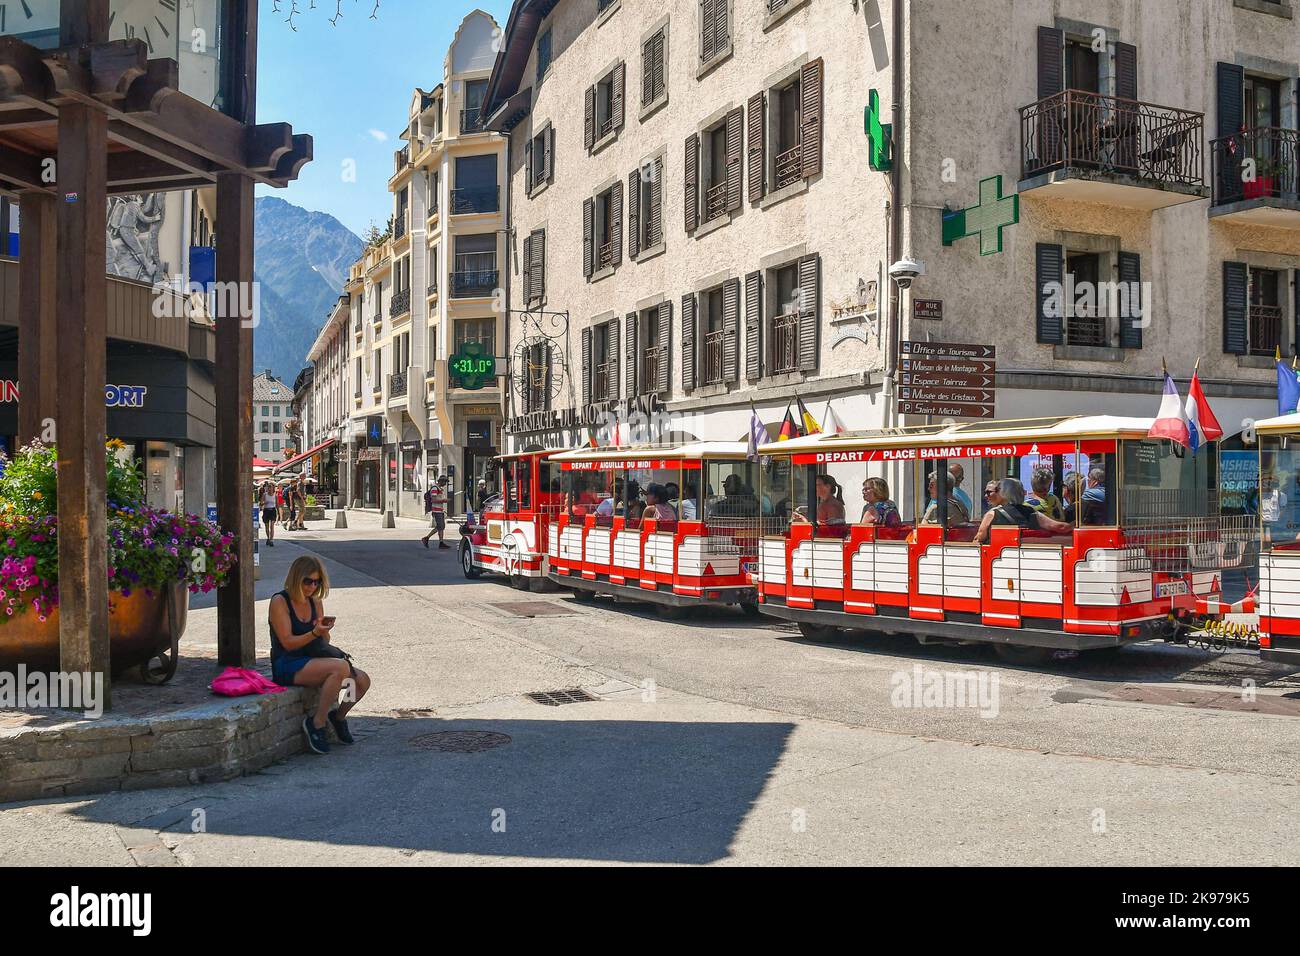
(789, 167)
(475, 283)
(604, 385)
(401, 159)
(653, 359)
(783, 347)
(471, 121)
(1082, 145)
(433, 290)
(1087, 330)
(399, 225)
(1256, 177)
(714, 343)
(1265, 327)
(400, 303)
(475, 199)
(605, 127)
(397, 385)
(606, 255)
(715, 201)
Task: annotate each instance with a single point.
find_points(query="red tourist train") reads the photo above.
(1277, 602)
(510, 536)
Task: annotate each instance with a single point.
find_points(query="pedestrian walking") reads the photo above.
(270, 510)
(435, 503)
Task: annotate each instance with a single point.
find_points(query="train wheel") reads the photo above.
(467, 562)
(671, 612)
(1026, 656)
(583, 595)
(819, 632)
(519, 582)
(751, 610)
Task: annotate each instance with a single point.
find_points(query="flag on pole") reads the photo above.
(757, 434)
(1202, 426)
(789, 428)
(832, 421)
(809, 424)
(1171, 421)
(1288, 386)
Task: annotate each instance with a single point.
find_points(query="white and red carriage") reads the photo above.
(1137, 537)
(1277, 503)
(510, 536)
(677, 526)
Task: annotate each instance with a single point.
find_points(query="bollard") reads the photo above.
(388, 519)
(356, 504)
(340, 519)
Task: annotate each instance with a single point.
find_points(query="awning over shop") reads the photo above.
(289, 463)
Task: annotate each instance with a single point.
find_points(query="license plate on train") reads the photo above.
(1170, 588)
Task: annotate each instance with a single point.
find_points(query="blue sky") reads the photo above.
(350, 84)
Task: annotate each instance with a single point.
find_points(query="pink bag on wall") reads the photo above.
(240, 682)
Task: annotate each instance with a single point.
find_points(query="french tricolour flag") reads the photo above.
(1202, 426)
(1171, 421)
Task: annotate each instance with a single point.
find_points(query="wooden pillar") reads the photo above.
(234, 396)
(37, 285)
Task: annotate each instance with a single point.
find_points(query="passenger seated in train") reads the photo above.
(830, 507)
(1042, 498)
(737, 500)
(614, 503)
(1093, 499)
(1007, 508)
(879, 509)
(958, 514)
(656, 506)
(635, 507)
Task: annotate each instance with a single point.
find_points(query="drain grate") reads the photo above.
(408, 713)
(533, 609)
(554, 698)
(459, 741)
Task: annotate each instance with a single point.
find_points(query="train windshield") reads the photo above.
(1279, 492)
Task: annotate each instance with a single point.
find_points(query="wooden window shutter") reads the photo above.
(735, 161)
(731, 330)
(589, 120)
(722, 29)
(617, 98)
(664, 323)
(588, 229)
(648, 71)
(688, 342)
(528, 269)
(708, 29)
(616, 223)
(629, 334)
(614, 357)
(1049, 270)
(586, 366)
(692, 180)
(1051, 62)
(1230, 82)
(548, 154)
(659, 83)
(539, 264)
(810, 274)
(754, 325)
(528, 166)
(655, 231)
(1126, 71)
(757, 147)
(1236, 338)
(810, 123)
(634, 214)
(1133, 317)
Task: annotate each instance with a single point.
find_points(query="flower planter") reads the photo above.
(1259, 187)
(142, 629)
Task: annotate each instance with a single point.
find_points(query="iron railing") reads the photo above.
(401, 159)
(783, 350)
(433, 289)
(606, 127)
(399, 225)
(715, 201)
(397, 385)
(1265, 323)
(1179, 545)
(714, 343)
(1086, 330)
(605, 384)
(606, 255)
(475, 199)
(1261, 163)
(400, 303)
(652, 360)
(471, 121)
(478, 282)
(1157, 145)
(789, 166)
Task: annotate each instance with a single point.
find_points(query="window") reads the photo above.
(275, 410)
(654, 67)
(357, 372)
(713, 175)
(543, 54)
(711, 336)
(266, 444)
(1265, 311)
(476, 186)
(602, 220)
(1086, 322)
(603, 113)
(266, 428)
(275, 444)
(645, 221)
(276, 428)
(535, 267)
(1081, 289)
(647, 332)
(785, 131)
(790, 295)
(715, 30)
(600, 362)
(266, 409)
(475, 266)
(471, 117)
(480, 331)
(539, 154)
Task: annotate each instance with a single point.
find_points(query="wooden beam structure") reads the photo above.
(38, 373)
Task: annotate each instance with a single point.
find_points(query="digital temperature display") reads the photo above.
(470, 367)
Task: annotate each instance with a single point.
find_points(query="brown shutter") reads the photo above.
(1051, 62)
(757, 146)
(735, 163)
(658, 84)
(731, 330)
(688, 342)
(634, 214)
(528, 270)
(589, 120)
(709, 28)
(588, 227)
(655, 232)
(614, 357)
(664, 323)
(539, 263)
(810, 270)
(548, 153)
(692, 180)
(647, 71)
(586, 366)
(616, 223)
(810, 118)
(754, 325)
(528, 165)
(629, 334)
(1126, 70)
(722, 29)
(618, 85)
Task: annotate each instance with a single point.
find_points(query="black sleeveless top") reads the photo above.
(298, 629)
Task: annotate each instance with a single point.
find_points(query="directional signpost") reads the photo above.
(947, 380)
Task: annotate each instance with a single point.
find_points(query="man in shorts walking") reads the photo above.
(436, 503)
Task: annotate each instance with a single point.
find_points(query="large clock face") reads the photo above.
(156, 22)
(25, 18)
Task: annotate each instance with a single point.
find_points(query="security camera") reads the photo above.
(904, 271)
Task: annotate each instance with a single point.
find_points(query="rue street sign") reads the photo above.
(986, 220)
(947, 379)
(931, 309)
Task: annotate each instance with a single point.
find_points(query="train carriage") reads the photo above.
(1134, 535)
(676, 526)
(511, 536)
(1278, 506)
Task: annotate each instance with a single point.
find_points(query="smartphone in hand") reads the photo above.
(327, 621)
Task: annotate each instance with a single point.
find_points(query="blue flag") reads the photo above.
(1288, 389)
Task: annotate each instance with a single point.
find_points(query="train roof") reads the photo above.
(689, 451)
(1059, 428)
(531, 453)
(1282, 424)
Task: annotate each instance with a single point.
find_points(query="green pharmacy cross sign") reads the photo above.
(987, 220)
(880, 134)
(470, 368)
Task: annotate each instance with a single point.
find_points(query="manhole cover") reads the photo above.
(459, 741)
(533, 609)
(554, 698)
